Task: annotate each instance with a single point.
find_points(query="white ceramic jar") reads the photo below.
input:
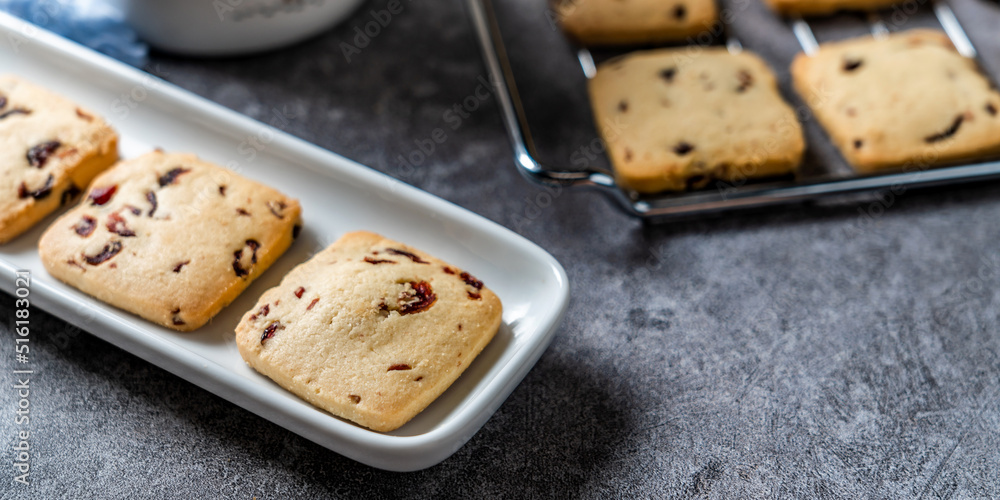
(231, 27)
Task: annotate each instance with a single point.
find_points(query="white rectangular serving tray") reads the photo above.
(337, 196)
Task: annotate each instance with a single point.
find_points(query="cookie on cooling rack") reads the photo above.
(818, 7)
(627, 22)
(369, 329)
(674, 120)
(50, 149)
(910, 100)
(170, 237)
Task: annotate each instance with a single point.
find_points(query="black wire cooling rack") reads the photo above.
(672, 206)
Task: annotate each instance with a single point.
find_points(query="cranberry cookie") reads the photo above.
(369, 329)
(623, 22)
(50, 149)
(169, 237)
(673, 119)
(909, 100)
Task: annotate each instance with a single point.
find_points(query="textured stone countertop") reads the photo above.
(801, 352)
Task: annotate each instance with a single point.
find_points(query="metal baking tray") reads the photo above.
(815, 181)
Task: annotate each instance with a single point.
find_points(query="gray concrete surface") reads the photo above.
(810, 352)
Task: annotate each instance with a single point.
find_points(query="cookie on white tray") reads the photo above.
(50, 149)
(369, 329)
(170, 237)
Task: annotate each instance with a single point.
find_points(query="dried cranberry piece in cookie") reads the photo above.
(38, 155)
(277, 208)
(86, 226)
(950, 131)
(471, 281)
(683, 148)
(746, 81)
(43, 192)
(176, 319)
(474, 283)
(109, 251)
(421, 299)
(151, 198)
(262, 313)
(852, 64)
(270, 331)
(15, 111)
(101, 195)
(118, 225)
(71, 192)
(239, 266)
(408, 255)
(84, 116)
(171, 176)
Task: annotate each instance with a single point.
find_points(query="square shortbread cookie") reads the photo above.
(619, 22)
(369, 329)
(675, 120)
(817, 7)
(50, 149)
(907, 100)
(169, 237)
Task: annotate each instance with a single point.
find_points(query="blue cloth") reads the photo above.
(97, 24)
